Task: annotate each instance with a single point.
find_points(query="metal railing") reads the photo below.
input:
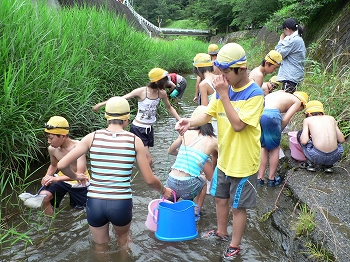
(146, 25)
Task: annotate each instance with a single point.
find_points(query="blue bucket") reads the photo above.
(176, 221)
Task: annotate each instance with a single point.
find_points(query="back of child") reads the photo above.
(320, 138)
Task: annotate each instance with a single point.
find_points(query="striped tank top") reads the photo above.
(112, 158)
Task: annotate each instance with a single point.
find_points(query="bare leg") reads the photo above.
(46, 207)
(200, 197)
(263, 163)
(274, 157)
(122, 234)
(238, 226)
(222, 211)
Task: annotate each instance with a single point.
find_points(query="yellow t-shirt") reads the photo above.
(73, 183)
(239, 152)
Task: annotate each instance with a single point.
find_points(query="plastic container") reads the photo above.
(295, 149)
(293, 134)
(152, 217)
(176, 221)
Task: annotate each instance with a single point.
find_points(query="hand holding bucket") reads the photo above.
(152, 217)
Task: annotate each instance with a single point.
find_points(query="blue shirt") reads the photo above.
(293, 52)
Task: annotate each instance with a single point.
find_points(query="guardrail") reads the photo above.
(146, 25)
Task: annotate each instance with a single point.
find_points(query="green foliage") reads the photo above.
(305, 224)
(318, 252)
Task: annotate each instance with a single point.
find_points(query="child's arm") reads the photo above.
(97, 106)
(340, 136)
(304, 137)
(164, 97)
(134, 93)
(195, 99)
(173, 149)
(290, 112)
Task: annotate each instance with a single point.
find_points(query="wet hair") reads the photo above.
(206, 130)
(116, 121)
(46, 133)
(160, 84)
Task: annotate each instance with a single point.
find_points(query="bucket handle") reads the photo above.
(156, 208)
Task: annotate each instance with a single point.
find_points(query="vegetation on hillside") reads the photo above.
(231, 15)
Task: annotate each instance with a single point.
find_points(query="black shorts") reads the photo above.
(78, 196)
(289, 86)
(101, 211)
(146, 134)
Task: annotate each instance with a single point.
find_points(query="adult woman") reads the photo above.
(292, 48)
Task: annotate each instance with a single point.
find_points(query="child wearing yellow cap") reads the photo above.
(192, 167)
(113, 152)
(320, 138)
(57, 184)
(237, 106)
(271, 85)
(272, 123)
(148, 98)
(268, 65)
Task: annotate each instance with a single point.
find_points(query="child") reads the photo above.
(58, 185)
(268, 65)
(193, 151)
(320, 138)
(272, 123)
(113, 152)
(177, 84)
(237, 106)
(271, 85)
(148, 100)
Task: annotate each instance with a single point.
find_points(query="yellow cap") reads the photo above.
(274, 57)
(202, 60)
(232, 53)
(213, 49)
(314, 106)
(274, 80)
(57, 125)
(117, 108)
(303, 97)
(199, 110)
(156, 74)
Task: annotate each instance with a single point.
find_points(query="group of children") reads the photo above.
(249, 124)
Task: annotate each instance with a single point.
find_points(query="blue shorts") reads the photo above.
(146, 134)
(271, 128)
(240, 190)
(78, 196)
(185, 189)
(321, 158)
(101, 211)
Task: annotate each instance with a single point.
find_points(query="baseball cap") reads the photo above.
(156, 74)
(57, 125)
(274, 80)
(231, 55)
(290, 23)
(202, 60)
(314, 106)
(274, 57)
(303, 97)
(117, 108)
(199, 110)
(213, 49)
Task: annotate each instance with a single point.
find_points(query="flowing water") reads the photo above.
(67, 237)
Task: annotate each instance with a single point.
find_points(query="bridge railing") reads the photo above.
(143, 22)
(146, 25)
